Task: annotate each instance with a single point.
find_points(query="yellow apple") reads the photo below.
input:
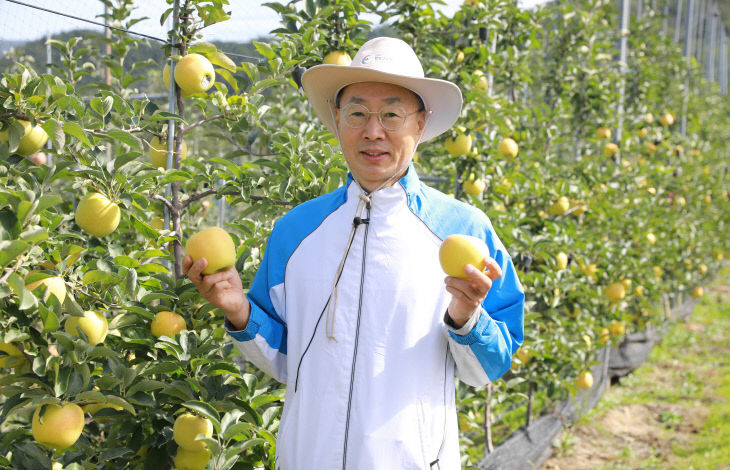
(457, 251)
(603, 133)
(474, 186)
(561, 261)
(194, 74)
(191, 460)
(560, 206)
(617, 328)
(648, 118)
(57, 466)
(216, 246)
(59, 427)
(187, 426)
(93, 324)
(603, 335)
(32, 141)
(584, 380)
(649, 148)
(167, 324)
(610, 149)
(643, 132)
(54, 285)
(338, 58)
(651, 238)
(666, 119)
(97, 215)
(658, 272)
(639, 291)
(587, 340)
(14, 358)
(481, 82)
(615, 291)
(627, 283)
(459, 145)
(508, 148)
(698, 291)
(158, 152)
(523, 354)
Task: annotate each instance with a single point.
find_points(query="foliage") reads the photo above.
(255, 152)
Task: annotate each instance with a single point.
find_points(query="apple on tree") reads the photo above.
(338, 58)
(508, 148)
(97, 215)
(474, 186)
(34, 138)
(167, 324)
(460, 144)
(57, 426)
(193, 74)
(191, 459)
(186, 428)
(158, 152)
(93, 324)
(55, 286)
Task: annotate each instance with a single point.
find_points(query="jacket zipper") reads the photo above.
(366, 222)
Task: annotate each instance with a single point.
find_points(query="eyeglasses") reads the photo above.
(391, 117)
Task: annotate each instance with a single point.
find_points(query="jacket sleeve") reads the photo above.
(482, 349)
(263, 341)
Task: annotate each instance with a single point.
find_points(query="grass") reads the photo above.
(673, 412)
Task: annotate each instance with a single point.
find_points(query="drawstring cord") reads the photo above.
(363, 202)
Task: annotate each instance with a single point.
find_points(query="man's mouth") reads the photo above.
(373, 155)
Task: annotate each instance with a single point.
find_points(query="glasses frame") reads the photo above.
(379, 114)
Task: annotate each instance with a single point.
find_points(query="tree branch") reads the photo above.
(203, 121)
(157, 197)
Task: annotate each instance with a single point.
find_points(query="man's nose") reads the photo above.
(373, 128)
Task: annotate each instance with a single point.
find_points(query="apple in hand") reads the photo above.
(216, 246)
(458, 250)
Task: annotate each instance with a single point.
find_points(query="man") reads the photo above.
(349, 307)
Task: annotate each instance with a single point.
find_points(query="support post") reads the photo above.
(688, 35)
(623, 68)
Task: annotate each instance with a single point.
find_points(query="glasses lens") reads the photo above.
(356, 115)
(392, 117)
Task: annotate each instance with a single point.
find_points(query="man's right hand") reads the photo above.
(222, 289)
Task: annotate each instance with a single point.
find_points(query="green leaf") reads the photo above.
(205, 409)
(49, 318)
(220, 59)
(35, 236)
(48, 200)
(71, 306)
(204, 48)
(73, 129)
(9, 250)
(264, 49)
(93, 276)
(125, 137)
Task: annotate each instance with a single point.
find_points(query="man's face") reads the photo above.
(373, 153)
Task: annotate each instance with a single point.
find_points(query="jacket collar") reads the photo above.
(410, 181)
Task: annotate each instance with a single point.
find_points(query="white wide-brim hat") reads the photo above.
(385, 60)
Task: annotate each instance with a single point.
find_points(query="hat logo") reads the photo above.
(375, 58)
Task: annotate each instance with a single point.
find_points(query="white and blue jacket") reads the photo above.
(380, 396)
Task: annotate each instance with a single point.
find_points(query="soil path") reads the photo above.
(657, 416)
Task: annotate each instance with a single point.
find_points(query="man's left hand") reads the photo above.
(468, 294)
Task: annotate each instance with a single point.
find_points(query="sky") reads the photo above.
(249, 18)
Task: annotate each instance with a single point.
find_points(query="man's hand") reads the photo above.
(222, 289)
(468, 294)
